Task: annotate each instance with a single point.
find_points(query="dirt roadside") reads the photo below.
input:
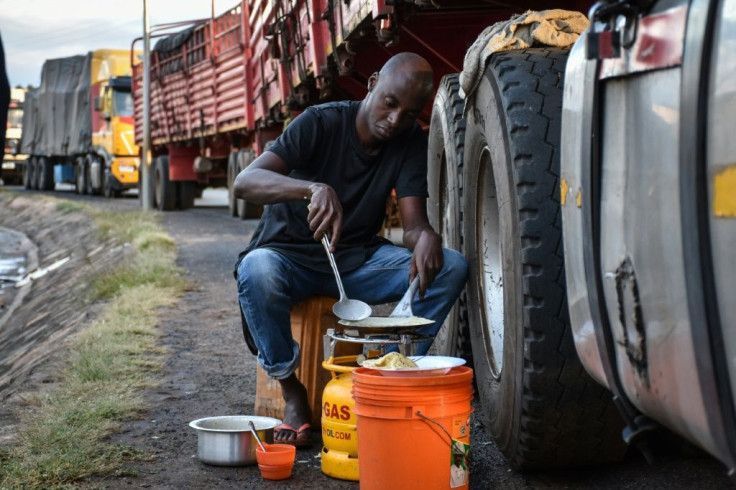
(208, 370)
(51, 308)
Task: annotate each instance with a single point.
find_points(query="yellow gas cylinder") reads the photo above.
(339, 425)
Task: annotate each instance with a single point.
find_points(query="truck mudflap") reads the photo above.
(649, 274)
(543, 409)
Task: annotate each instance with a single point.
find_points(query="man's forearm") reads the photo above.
(260, 186)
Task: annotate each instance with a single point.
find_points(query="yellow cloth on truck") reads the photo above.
(556, 27)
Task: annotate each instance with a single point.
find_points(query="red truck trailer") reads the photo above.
(222, 88)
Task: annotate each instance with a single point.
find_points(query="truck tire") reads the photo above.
(107, 190)
(32, 168)
(108, 184)
(164, 190)
(246, 210)
(45, 174)
(231, 173)
(35, 172)
(80, 174)
(28, 172)
(543, 410)
(444, 172)
(187, 193)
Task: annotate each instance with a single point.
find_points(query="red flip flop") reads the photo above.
(303, 435)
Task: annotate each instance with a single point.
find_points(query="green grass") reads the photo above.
(63, 432)
(69, 207)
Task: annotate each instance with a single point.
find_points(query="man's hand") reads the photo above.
(325, 213)
(427, 260)
(419, 237)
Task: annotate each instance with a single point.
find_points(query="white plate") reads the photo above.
(426, 366)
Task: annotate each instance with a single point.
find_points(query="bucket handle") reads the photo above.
(419, 413)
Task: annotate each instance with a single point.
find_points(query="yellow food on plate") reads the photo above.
(392, 360)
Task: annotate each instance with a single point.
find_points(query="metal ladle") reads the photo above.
(345, 309)
(255, 433)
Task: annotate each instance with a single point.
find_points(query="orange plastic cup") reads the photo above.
(277, 462)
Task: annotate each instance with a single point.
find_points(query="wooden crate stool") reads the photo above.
(310, 320)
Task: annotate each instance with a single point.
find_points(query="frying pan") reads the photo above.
(401, 318)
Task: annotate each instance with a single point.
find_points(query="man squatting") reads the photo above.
(331, 171)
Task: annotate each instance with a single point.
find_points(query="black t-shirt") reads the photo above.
(321, 145)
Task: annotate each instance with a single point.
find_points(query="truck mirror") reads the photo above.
(98, 103)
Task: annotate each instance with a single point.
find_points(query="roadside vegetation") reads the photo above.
(62, 434)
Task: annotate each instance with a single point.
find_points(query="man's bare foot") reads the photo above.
(297, 414)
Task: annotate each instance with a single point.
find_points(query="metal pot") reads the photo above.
(228, 440)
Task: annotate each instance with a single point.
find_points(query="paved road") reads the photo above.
(208, 243)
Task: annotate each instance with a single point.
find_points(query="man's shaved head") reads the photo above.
(396, 96)
(410, 65)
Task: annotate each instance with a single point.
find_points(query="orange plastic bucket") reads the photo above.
(413, 432)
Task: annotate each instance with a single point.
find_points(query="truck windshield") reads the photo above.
(122, 104)
(15, 118)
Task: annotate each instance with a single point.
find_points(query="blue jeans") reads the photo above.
(269, 284)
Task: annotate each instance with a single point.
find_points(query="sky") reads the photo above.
(36, 30)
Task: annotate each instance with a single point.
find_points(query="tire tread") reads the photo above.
(453, 112)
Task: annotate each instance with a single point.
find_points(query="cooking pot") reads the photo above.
(228, 441)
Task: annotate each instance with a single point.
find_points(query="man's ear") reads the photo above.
(372, 80)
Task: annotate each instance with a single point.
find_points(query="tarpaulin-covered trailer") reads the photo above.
(59, 122)
(78, 125)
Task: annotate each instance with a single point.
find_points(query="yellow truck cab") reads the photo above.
(112, 121)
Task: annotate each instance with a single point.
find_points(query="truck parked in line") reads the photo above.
(78, 125)
(578, 350)
(13, 159)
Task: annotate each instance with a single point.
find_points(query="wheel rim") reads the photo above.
(444, 214)
(490, 263)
